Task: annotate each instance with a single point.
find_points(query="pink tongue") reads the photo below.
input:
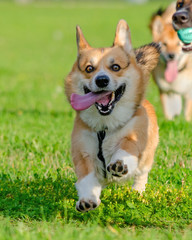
(79, 102)
(171, 71)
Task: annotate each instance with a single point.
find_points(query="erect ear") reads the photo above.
(148, 56)
(123, 36)
(81, 42)
(157, 26)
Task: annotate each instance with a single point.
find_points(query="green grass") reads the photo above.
(37, 192)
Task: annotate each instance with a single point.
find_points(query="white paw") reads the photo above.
(89, 190)
(139, 188)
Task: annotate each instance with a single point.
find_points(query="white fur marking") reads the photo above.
(172, 105)
(140, 182)
(89, 188)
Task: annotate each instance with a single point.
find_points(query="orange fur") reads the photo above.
(143, 141)
(133, 135)
(81, 159)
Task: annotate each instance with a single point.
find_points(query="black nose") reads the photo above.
(171, 56)
(180, 17)
(102, 81)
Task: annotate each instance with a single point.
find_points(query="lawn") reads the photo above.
(37, 192)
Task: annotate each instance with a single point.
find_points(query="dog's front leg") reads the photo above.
(134, 158)
(123, 164)
(88, 186)
(172, 105)
(83, 152)
(89, 190)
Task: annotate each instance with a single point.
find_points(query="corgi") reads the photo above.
(182, 19)
(173, 74)
(115, 133)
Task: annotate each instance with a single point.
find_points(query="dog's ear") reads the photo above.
(157, 27)
(148, 56)
(123, 36)
(81, 41)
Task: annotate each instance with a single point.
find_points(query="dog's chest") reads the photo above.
(100, 146)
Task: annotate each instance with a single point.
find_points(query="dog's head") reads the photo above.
(107, 84)
(183, 16)
(170, 44)
(182, 23)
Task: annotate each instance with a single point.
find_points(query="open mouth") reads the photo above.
(185, 35)
(187, 47)
(106, 104)
(171, 71)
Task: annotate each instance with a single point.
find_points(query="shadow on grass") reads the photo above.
(55, 198)
(40, 198)
(49, 198)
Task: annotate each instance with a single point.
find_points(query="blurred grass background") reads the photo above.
(37, 193)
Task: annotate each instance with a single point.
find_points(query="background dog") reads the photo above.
(173, 74)
(182, 19)
(115, 133)
(183, 16)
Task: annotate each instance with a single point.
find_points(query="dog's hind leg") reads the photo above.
(172, 105)
(140, 181)
(188, 109)
(145, 165)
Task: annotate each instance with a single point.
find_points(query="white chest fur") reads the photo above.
(110, 145)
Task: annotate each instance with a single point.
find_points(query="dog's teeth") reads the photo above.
(187, 45)
(112, 97)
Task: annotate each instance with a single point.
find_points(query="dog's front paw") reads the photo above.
(86, 205)
(118, 168)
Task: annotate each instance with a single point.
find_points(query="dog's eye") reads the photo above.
(180, 5)
(115, 67)
(89, 69)
(165, 44)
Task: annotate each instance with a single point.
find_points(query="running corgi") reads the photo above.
(115, 133)
(173, 74)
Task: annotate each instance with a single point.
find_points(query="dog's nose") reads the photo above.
(171, 56)
(102, 81)
(181, 17)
